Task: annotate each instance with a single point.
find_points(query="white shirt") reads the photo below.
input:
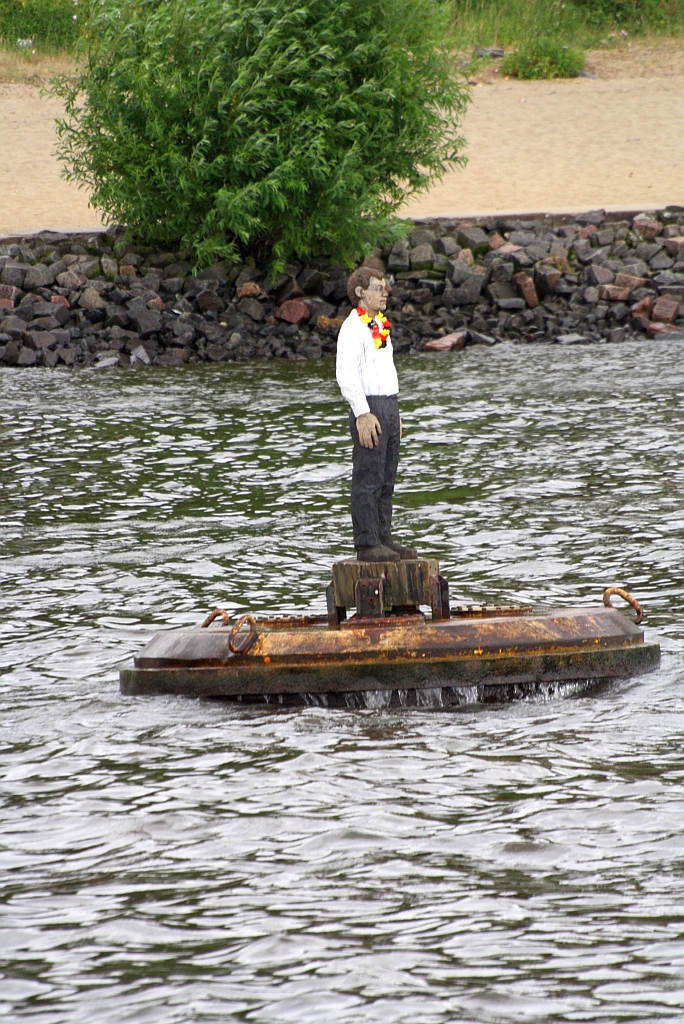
(363, 369)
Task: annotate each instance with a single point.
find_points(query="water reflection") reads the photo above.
(170, 860)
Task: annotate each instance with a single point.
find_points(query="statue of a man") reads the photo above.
(368, 380)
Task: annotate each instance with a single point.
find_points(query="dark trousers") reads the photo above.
(373, 474)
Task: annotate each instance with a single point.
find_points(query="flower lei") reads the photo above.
(379, 327)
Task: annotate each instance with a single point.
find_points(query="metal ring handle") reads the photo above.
(619, 592)
(249, 638)
(214, 615)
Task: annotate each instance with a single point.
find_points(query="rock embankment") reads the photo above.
(92, 300)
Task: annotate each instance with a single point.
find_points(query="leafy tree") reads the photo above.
(270, 127)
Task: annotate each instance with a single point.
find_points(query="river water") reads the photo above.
(168, 860)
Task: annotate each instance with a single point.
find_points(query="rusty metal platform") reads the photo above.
(476, 653)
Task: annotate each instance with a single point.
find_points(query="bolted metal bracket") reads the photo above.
(439, 598)
(370, 598)
(336, 614)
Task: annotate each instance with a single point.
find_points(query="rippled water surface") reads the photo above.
(167, 860)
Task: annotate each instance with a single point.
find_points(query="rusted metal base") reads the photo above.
(496, 658)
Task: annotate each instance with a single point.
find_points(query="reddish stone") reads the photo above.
(496, 241)
(586, 232)
(647, 228)
(671, 231)
(329, 325)
(656, 329)
(251, 290)
(629, 281)
(9, 291)
(208, 300)
(6, 303)
(156, 303)
(613, 293)
(466, 256)
(644, 307)
(293, 312)
(449, 343)
(125, 271)
(559, 262)
(525, 286)
(508, 248)
(665, 309)
(674, 246)
(60, 300)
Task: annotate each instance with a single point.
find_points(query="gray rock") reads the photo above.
(478, 338)
(637, 268)
(422, 257)
(39, 276)
(172, 285)
(458, 272)
(422, 236)
(600, 275)
(107, 361)
(89, 266)
(511, 304)
(447, 245)
(537, 251)
(467, 293)
(647, 250)
(661, 262)
(571, 339)
(91, 299)
(523, 238)
(591, 296)
(183, 333)
(145, 321)
(496, 290)
(399, 259)
(474, 239)
(13, 274)
(595, 217)
(180, 269)
(140, 356)
(252, 308)
(489, 51)
(109, 267)
(27, 357)
(14, 326)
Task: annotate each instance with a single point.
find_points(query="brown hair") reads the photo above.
(361, 278)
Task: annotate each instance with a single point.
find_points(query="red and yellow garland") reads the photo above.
(379, 327)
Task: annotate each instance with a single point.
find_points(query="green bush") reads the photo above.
(51, 24)
(544, 58)
(261, 127)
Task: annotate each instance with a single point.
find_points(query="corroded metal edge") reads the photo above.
(487, 670)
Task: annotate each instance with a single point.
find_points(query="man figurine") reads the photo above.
(368, 380)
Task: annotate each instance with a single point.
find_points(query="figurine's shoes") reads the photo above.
(377, 554)
(405, 554)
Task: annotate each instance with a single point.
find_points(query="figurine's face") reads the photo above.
(374, 297)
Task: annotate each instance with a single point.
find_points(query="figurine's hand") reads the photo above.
(368, 427)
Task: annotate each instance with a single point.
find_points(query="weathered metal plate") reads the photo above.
(565, 644)
(493, 672)
(406, 582)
